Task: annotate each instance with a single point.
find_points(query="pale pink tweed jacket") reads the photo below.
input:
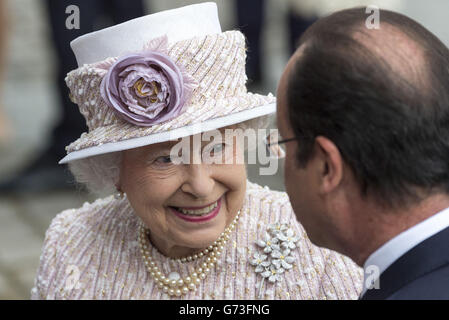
(92, 253)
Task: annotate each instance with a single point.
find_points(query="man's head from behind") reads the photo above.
(370, 111)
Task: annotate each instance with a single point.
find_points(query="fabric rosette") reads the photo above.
(146, 88)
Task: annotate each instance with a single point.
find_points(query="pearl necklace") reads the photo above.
(178, 287)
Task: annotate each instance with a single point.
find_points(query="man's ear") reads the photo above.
(331, 163)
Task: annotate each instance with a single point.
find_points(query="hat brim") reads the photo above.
(126, 136)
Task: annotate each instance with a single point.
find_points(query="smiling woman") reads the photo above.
(192, 204)
(193, 230)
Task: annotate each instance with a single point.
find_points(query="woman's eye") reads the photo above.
(163, 159)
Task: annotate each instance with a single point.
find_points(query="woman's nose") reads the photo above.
(199, 181)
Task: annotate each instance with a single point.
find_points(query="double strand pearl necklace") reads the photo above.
(181, 286)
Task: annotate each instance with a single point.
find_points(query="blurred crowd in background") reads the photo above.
(37, 119)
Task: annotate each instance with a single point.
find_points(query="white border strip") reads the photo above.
(172, 134)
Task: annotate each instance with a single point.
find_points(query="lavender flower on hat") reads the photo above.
(146, 88)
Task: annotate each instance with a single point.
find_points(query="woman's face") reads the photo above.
(185, 206)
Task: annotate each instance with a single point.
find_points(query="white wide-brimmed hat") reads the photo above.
(158, 78)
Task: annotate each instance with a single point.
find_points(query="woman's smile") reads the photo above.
(198, 214)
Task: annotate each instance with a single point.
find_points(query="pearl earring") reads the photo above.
(119, 195)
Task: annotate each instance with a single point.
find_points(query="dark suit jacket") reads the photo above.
(421, 273)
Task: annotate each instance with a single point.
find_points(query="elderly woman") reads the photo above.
(176, 229)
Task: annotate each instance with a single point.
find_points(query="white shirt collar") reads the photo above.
(393, 249)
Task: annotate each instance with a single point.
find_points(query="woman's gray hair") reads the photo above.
(100, 174)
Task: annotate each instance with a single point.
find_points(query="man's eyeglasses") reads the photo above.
(273, 142)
